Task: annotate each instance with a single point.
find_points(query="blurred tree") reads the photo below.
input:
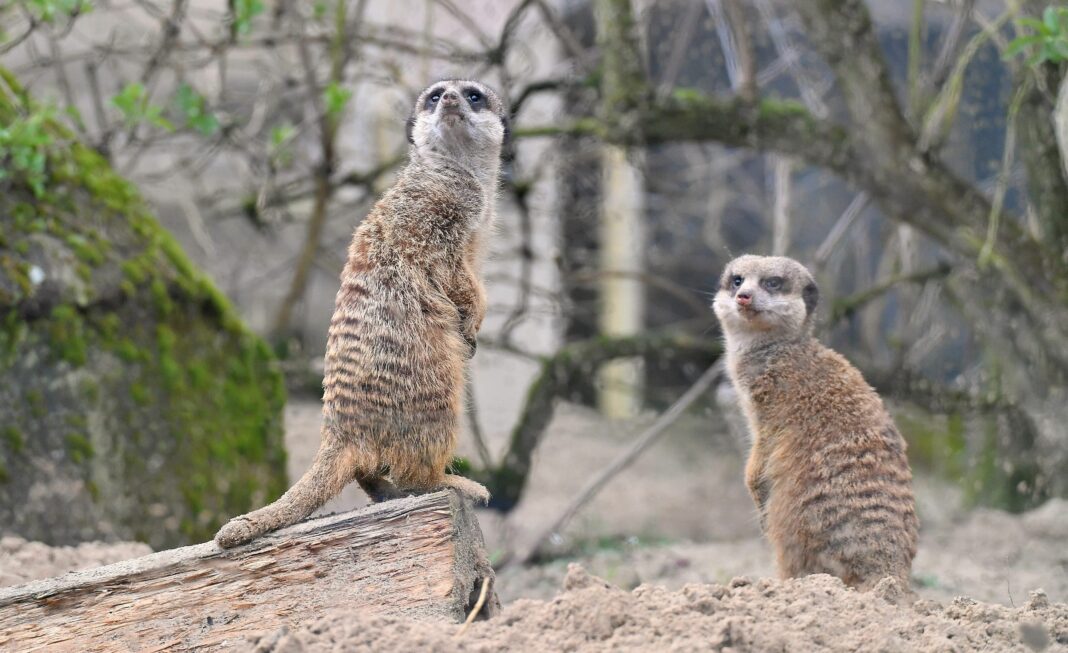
(1010, 274)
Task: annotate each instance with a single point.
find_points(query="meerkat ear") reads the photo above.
(811, 296)
(507, 146)
(507, 124)
(409, 127)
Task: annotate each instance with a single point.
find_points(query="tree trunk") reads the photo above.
(421, 556)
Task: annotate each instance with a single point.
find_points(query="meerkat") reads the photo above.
(827, 468)
(406, 316)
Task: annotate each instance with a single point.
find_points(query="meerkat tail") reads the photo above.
(333, 468)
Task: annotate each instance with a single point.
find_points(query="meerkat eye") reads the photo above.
(737, 281)
(773, 283)
(433, 98)
(474, 96)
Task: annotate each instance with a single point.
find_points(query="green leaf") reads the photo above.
(281, 133)
(1033, 23)
(1049, 18)
(195, 111)
(49, 10)
(1019, 44)
(278, 149)
(24, 147)
(133, 102)
(244, 12)
(335, 98)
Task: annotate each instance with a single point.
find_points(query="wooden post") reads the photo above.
(421, 557)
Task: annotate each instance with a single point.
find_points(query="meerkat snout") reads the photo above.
(766, 295)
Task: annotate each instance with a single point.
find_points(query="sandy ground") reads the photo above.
(682, 515)
(22, 561)
(684, 566)
(816, 613)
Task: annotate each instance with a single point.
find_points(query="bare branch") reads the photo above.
(625, 459)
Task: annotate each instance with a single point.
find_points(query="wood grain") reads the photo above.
(421, 557)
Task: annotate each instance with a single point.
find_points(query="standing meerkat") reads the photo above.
(827, 469)
(410, 305)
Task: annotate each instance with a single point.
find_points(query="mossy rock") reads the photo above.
(134, 404)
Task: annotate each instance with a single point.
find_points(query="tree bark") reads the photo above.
(421, 556)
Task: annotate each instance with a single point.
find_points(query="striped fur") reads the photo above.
(827, 469)
(405, 320)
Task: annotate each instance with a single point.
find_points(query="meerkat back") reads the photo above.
(827, 469)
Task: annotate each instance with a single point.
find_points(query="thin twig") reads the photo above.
(735, 14)
(841, 226)
(478, 607)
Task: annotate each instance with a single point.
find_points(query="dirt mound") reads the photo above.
(817, 613)
(22, 561)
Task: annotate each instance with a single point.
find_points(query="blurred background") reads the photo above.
(181, 181)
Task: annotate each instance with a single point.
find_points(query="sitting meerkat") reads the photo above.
(410, 305)
(827, 469)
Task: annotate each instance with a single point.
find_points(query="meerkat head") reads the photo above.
(460, 119)
(765, 298)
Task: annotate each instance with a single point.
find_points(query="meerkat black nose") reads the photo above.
(450, 99)
(744, 298)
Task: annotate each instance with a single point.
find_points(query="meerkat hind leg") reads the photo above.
(333, 468)
(380, 488)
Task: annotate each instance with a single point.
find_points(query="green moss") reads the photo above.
(12, 333)
(936, 444)
(91, 390)
(79, 448)
(161, 297)
(140, 394)
(128, 350)
(89, 253)
(13, 438)
(67, 332)
(108, 326)
(35, 400)
(94, 490)
(136, 271)
(966, 453)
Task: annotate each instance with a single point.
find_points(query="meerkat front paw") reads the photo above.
(237, 531)
(476, 492)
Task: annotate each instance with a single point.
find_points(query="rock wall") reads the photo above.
(134, 404)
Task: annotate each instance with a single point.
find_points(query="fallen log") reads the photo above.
(421, 556)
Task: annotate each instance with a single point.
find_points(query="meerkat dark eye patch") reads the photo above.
(475, 98)
(433, 98)
(737, 280)
(772, 284)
